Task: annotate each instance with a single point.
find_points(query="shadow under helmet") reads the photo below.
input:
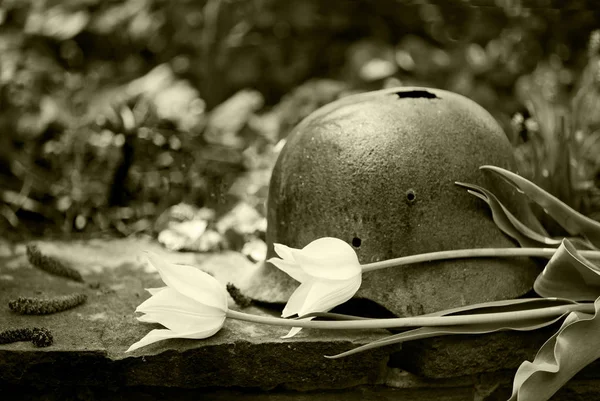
(378, 170)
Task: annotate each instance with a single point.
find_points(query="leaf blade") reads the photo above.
(481, 328)
(439, 331)
(574, 222)
(575, 345)
(507, 222)
(569, 275)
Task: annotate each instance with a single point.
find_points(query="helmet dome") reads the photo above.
(377, 170)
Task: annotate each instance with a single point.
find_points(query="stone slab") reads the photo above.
(90, 340)
(444, 357)
(399, 386)
(248, 359)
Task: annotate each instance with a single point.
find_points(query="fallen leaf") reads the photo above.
(574, 346)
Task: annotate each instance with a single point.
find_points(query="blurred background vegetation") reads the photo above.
(165, 117)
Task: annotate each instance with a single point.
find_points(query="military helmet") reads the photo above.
(378, 170)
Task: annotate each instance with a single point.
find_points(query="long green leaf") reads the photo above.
(510, 305)
(574, 346)
(331, 316)
(505, 305)
(513, 227)
(569, 275)
(507, 222)
(438, 331)
(574, 222)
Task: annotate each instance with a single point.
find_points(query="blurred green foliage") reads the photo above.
(113, 111)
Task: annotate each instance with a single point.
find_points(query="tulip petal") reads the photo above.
(284, 252)
(183, 323)
(296, 301)
(328, 258)
(325, 295)
(319, 296)
(291, 268)
(328, 270)
(191, 282)
(165, 334)
(295, 330)
(170, 301)
(154, 291)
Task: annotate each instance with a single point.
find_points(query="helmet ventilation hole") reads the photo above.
(421, 94)
(411, 196)
(356, 242)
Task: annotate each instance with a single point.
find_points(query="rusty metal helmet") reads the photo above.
(378, 170)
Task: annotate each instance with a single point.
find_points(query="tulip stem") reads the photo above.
(417, 321)
(472, 253)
